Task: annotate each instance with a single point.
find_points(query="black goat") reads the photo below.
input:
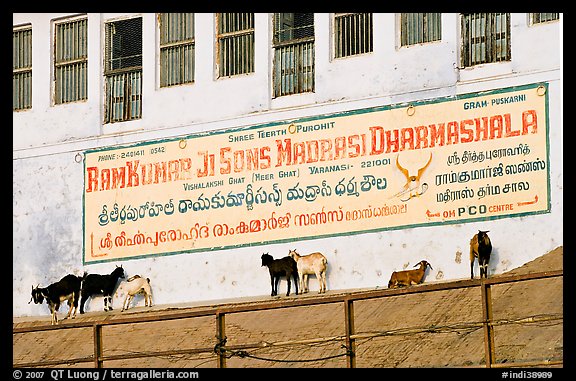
(281, 267)
(481, 248)
(98, 284)
(66, 289)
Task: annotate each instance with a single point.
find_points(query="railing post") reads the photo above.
(487, 322)
(97, 346)
(349, 325)
(221, 337)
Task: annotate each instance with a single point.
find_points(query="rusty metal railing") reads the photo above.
(350, 337)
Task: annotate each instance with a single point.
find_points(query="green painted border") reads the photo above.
(332, 115)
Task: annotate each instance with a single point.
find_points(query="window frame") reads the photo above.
(426, 37)
(302, 73)
(126, 81)
(24, 94)
(178, 45)
(340, 48)
(238, 41)
(82, 60)
(489, 38)
(533, 21)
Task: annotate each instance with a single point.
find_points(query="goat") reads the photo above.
(136, 285)
(66, 289)
(98, 284)
(311, 264)
(481, 248)
(280, 267)
(409, 277)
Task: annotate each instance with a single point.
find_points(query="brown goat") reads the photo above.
(481, 248)
(409, 277)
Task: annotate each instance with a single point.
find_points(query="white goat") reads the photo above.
(409, 277)
(137, 285)
(311, 264)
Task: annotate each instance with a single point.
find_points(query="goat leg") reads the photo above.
(295, 277)
(323, 282)
(70, 306)
(272, 285)
(107, 303)
(82, 301)
(148, 298)
(276, 284)
(288, 288)
(484, 270)
(124, 307)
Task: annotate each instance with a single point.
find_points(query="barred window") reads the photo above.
(177, 48)
(352, 34)
(485, 38)
(418, 28)
(538, 18)
(22, 68)
(235, 43)
(123, 70)
(293, 43)
(71, 61)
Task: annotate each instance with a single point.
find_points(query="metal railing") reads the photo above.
(222, 352)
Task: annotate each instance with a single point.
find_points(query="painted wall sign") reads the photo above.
(447, 160)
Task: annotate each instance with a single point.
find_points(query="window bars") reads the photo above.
(71, 61)
(123, 70)
(22, 68)
(177, 48)
(352, 34)
(485, 38)
(418, 28)
(235, 43)
(538, 18)
(293, 42)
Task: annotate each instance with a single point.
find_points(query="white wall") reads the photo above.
(48, 181)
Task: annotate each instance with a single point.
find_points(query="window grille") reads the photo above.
(485, 38)
(22, 68)
(352, 34)
(71, 61)
(293, 42)
(538, 18)
(123, 70)
(418, 28)
(235, 43)
(177, 47)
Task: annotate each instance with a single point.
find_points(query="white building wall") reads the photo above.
(49, 140)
